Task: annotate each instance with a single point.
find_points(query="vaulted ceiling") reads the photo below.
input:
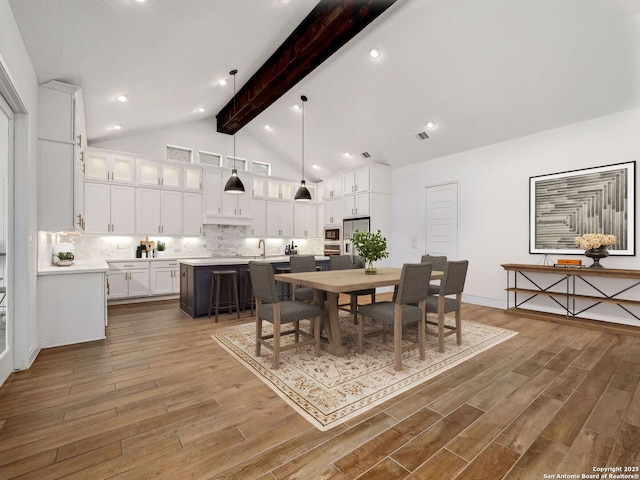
(485, 71)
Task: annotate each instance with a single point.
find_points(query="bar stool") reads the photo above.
(287, 286)
(214, 299)
(248, 288)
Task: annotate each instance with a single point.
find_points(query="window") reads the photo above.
(180, 154)
(209, 158)
(237, 163)
(261, 167)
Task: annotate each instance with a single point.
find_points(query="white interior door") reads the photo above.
(441, 236)
(6, 321)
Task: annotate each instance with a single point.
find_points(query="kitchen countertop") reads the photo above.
(240, 260)
(79, 266)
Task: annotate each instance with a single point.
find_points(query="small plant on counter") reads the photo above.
(65, 256)
(161, 246)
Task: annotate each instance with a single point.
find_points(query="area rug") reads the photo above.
(328, 390)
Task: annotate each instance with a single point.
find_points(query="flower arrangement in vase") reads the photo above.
(595, 246)
(371, 246)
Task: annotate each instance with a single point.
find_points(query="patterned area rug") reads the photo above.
(327, 390)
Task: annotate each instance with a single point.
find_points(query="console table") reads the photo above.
(573, 290)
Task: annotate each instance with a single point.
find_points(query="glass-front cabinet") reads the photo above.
(106, 166)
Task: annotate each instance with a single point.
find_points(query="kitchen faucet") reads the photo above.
(261, 244)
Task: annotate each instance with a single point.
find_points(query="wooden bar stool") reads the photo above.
(215, 301)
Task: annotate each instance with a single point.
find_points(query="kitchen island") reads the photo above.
(195, 279)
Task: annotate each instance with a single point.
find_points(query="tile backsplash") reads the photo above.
(218, 240)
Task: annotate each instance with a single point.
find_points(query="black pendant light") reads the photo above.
(303, 194)
(234, 184)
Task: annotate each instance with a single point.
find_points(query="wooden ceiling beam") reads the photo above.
(329, 26)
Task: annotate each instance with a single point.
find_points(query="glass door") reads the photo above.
(6, 156)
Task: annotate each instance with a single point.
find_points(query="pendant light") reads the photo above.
(303, 194)
(234, 184)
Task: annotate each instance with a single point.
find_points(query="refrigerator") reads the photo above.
(348, 227)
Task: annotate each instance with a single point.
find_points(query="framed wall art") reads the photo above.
(565, 205)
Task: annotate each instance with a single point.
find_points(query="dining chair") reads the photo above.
(412, 290)
(344, 262)
(438, 262)
(299, 264)
(269, 308)
(452, 284)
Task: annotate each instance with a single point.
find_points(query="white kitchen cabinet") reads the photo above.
(355, 181)
(355, 205)
(212, 192)
(60, 160)
(109, 208)
(259, 186)
(226, 208)
(372, 178)
(108, 166)
(279, 219)
(305, 224)
(332, 188)
(192, 178)
(236, 205)
(164, 277)
(259, 218)
(191, 214)
(158, 211)
(128, 279)
(72, 308)
(159, 174)
(332, 212)
(280, 189)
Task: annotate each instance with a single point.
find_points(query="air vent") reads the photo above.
(422, 135)
(365, 155)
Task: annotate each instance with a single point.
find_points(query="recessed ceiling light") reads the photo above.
(283, 2)
(200, 109)
(121, 98)
(141, 1)
(374, 53)
(316, 166)
(431, 125)
(268, 128)
(116, 127)
(222, 81)
(347, 155)
(296, 107)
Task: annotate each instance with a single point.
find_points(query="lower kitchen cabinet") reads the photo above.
(128, 279)
(72, 308)
(164, 277)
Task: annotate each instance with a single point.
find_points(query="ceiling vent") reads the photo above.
(365, 155)
(422, 135)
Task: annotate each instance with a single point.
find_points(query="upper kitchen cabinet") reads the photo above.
(279, 219)
(226, 208)
(192, 214)
(332, 188)
(109, 208)
(305, 223)
(280, 189)
(158, 212)
(61, 138)
(107, 166)
(192, 177)
(158, 174)
(259, 186)
(373, 178)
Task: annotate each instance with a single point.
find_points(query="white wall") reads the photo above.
(18, 64)
(200, 135)
(494, 196)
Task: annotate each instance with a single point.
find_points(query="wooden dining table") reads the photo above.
(335, 282)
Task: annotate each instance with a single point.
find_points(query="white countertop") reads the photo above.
(79, 266)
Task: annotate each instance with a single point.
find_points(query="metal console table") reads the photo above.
(562, 288)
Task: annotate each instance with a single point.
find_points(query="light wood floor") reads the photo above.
(159, 399)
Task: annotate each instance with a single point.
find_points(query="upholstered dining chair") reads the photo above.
(452, 284)
(270, 308)
(299, 264)
(344, 262)
(438, 262)
(401, 312)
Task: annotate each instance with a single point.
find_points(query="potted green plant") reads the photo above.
(161, 247)
(64, 259)
(371, 246)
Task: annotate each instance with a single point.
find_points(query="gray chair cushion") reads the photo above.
(340, 262)
(291, 311)
(384, 311)
(302, 263)
(438, 261)
(264, 285)
(450, 304)
(303, 293)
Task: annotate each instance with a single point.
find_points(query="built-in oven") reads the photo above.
(332, 249)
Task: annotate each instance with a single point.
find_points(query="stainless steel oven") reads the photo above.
(332, 248)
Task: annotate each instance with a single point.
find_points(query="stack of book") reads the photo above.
(568, 263)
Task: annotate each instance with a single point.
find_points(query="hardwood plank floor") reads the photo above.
(160, 399)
